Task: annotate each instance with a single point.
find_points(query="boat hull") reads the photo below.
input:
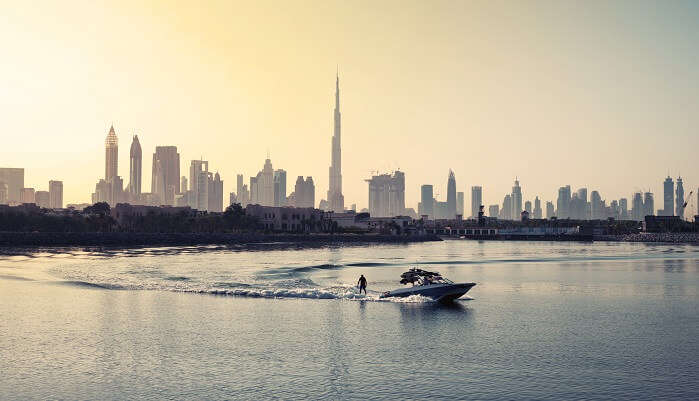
(438, 292)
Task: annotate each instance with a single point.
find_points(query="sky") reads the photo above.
(596, 94)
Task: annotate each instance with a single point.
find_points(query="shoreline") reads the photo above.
(122, 239)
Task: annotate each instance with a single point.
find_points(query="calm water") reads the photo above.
(546, 321)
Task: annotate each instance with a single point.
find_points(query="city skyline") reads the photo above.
(395, 118)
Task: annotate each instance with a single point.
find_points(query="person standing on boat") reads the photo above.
(362, 284)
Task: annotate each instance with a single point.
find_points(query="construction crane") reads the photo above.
(689, 199)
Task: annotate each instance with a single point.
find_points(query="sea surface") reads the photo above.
(546, 321)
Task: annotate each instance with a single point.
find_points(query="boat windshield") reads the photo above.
(422, 277)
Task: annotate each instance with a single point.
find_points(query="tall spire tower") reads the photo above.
(336, 200)
(111, 145)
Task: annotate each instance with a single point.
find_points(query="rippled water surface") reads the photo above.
(545, 321)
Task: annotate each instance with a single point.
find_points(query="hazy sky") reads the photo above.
(602, 94)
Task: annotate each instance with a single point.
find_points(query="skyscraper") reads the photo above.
(135, 168)
(13, 178)
(516, 201)
(387, 195)
(476, 200)
(563, 202)
(56, 194)
(668, 197)
(506, 211)
(648, 205)
(165, 181)
(460, 203)
(304, 192)
(623, 208)
(637, 207)
(335, 198)
(427, 200)
(679, 199)
(537, 208)
(528, 206)
(198, 183)
(451, 195)
(550, 211)
(494, 211)
(279, 187)
(215, 193)
(111, 159)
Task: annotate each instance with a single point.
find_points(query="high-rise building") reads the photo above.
(563, 202)
(387, 195)
(3, 194)
(668, 197)
(679, 199)
(215, 193)
(42, 199)
(183, 184)
(304, 192)
(516, 201)
(135, 167)
(165, 181)
(537, 212)
(28, 195)
(494, 211)
(460, 204)
(13, 178)
(199, 184)
(279, 187)
(451, 195)
(528, 206)
(476, 200)
(623, 209)
(596, 209)
(648, 205)
(427, 200)
(335, 198)
(637, 207)
(111, 159)
(506, 211)
(56, 194)
(550, 211)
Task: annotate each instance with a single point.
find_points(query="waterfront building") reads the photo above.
(476, 200)
(516, 201)
(668, 197)
(56, 194)
(111, 159)
(165, 181)
(335, 198)
(13, 180)
(550, 211)
(387, 195)
(679, 199)
(494, 211)
(135, 168)
(451, 195)
(427, 201)
(460, 203)
(537, 213)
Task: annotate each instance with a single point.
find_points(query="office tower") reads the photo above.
(279, 187)
(13, 178)
(56, 194)
(165, 182)
(239, 184)
(387, 195)
(111, 159)
(460, 203)
(506, 211)
(563, 202)
(215, 193)
(596, 211)
(451, 195)
(668, 197)
(335, 198)
(623, 209)
(476, 200)
(265, 183)
(28, 195)
(679, 199)
(537, 213)
(494, 211)
(232, 199)
(637, 207)
(615, 211)
(199, 184)
(42, 199)
(648, 205)
(304, 192)
(135, 167)
(427, 200)
(183, 184)
(550, 211)
(516, 201)
(528, 206)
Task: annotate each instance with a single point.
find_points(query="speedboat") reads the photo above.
(429, 284)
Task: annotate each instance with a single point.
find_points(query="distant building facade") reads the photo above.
(387, 195)
(476, 200)
(11, 184)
